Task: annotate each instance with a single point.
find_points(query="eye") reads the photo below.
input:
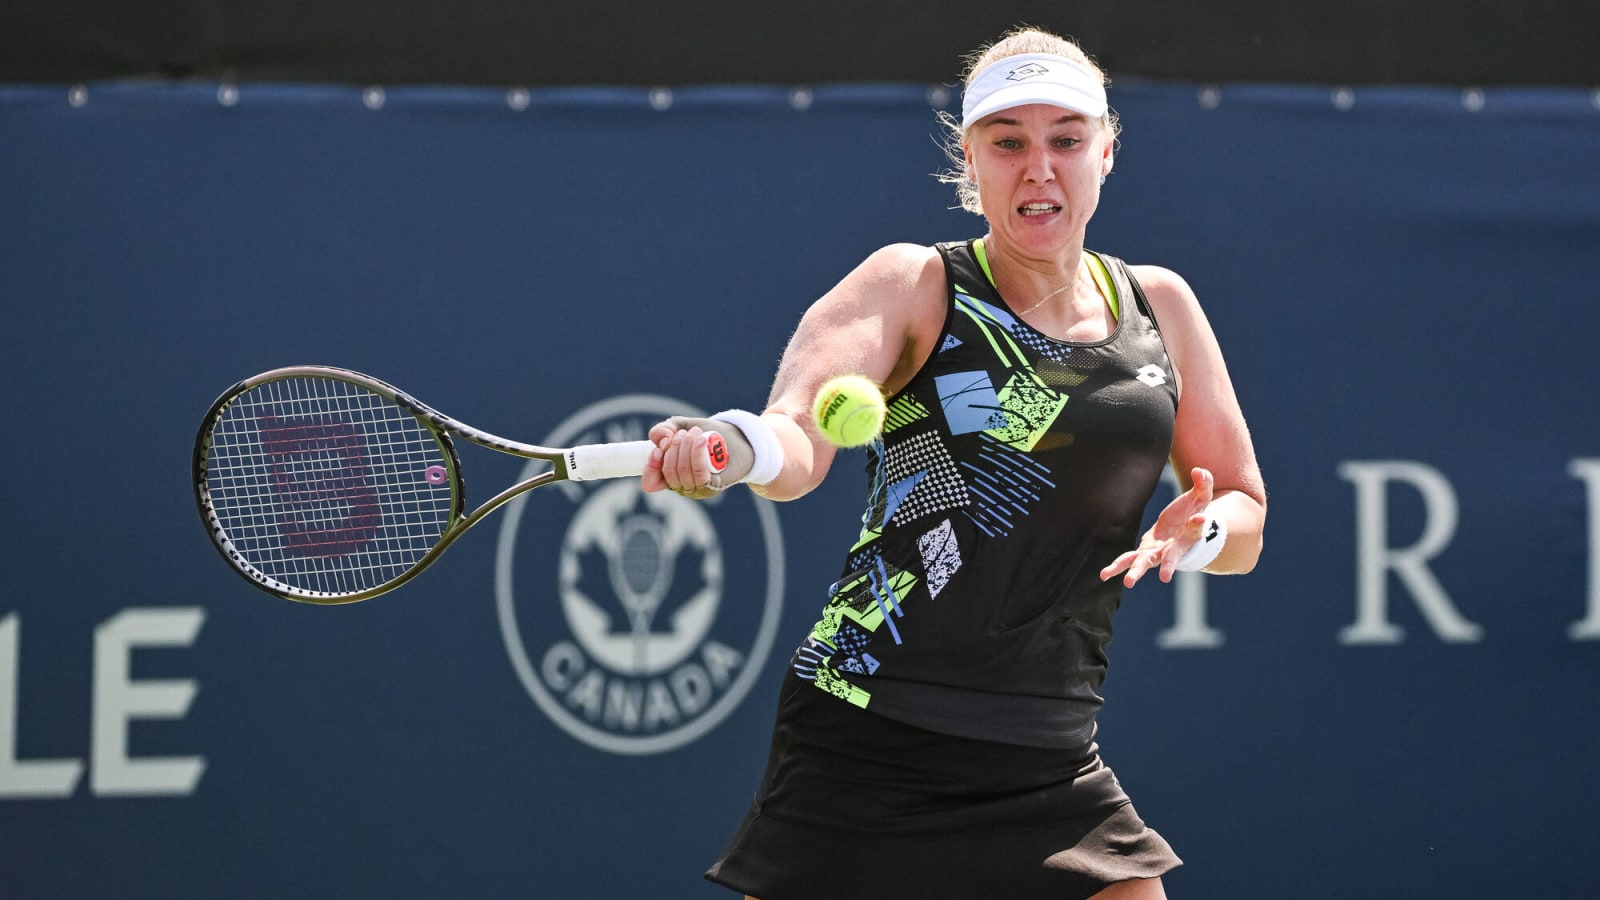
(1008, 143)
(1068, 143)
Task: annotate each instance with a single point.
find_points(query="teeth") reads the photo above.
(1034, 208)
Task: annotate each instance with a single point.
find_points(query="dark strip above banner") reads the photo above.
(1549, 42)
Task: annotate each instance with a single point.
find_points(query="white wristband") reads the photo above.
(763, 443)
(1213, 534)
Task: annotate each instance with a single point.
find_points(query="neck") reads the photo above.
(1029, 283)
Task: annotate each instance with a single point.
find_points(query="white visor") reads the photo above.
(1033, 78)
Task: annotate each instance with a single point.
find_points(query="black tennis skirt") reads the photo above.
(854, 805)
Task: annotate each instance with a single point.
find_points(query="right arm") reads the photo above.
(880, 321)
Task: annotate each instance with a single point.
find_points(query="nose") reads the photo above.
(1040, 168)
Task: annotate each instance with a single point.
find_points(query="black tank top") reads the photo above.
(1011, 469)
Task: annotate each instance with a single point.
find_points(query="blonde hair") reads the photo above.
(1020, 40)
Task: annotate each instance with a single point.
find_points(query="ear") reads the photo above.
(1108, 158)
(971, 172)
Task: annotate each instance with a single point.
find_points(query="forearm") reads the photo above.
(806, 459)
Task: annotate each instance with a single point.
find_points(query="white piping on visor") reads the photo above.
(1033, 78)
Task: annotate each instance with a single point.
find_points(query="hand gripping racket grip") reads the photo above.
(591, 462)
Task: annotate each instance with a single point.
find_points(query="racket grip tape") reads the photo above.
(591, 462)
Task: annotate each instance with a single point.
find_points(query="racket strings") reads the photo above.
(326, 486)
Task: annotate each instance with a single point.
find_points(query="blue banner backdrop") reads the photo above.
(1400, 702)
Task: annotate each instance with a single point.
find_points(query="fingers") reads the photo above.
(1135, 563)
(687, 457)
(1169, 565)
(1162, 556)
(654, 479)
(1119, 564)
(680, 461)
(1176, 530)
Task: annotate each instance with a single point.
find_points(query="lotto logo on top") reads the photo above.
(1023, 73)
(636, 622)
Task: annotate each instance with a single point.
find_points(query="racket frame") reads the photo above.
(565, 466)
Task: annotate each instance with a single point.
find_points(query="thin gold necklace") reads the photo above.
(1058, 290)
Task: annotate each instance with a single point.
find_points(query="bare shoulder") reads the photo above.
(913, 290)
(900, 285)
(906, 266)
(906, 253)
(879, 321)
(1166, 290)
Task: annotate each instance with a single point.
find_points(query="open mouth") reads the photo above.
(1038, 209)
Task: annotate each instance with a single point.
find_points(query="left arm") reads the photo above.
(1212, 454)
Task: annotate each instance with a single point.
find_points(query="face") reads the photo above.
(1038, 170)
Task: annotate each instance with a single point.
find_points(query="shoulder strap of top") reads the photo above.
(1102, 280)
(966, 270)
(1128, 286)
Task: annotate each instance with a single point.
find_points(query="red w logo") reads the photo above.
(319, 474)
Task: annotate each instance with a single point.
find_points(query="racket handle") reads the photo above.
(591, 462)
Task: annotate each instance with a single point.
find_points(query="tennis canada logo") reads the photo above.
(637, 622)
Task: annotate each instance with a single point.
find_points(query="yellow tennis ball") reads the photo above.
(849, 410)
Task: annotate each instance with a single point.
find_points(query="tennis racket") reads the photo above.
(327, 486)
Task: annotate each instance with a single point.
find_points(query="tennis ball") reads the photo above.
(849, 410)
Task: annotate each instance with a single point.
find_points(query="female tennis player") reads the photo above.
(935, 733)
